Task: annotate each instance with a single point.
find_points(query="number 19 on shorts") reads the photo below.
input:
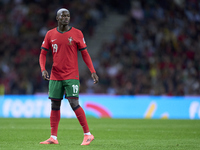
(75, 89)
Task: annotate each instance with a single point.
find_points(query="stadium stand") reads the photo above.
(154, 52)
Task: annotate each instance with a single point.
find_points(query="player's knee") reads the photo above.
(55, 105)
(74, 103)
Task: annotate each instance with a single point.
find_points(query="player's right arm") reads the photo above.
(42, 62)
(42, 58)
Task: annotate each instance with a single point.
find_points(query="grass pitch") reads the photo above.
(110, 134)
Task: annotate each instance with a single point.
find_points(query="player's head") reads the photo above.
(63, 16)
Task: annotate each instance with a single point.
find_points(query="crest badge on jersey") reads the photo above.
(70, 39)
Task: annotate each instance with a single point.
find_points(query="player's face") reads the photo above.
(64, 18)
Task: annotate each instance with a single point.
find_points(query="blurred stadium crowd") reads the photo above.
(155, 52)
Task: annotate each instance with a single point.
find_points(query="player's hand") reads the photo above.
(45, 75)
(95, 78)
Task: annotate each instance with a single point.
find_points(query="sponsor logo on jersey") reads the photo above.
(70, 39)
(53, 40)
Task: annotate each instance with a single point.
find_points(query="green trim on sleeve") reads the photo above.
(82, 49)
(44, 49)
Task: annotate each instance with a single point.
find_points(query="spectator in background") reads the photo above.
(155, 52)
(21, 22)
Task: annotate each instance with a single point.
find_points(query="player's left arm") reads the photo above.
(88, 61)
(86, 57)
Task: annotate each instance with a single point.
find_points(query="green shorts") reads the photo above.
(57, 89)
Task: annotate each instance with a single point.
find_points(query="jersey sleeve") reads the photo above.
(87, 60)
(46, 43)
(81, 42)
(42, 59)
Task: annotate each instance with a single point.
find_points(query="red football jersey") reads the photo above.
(64, 47)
